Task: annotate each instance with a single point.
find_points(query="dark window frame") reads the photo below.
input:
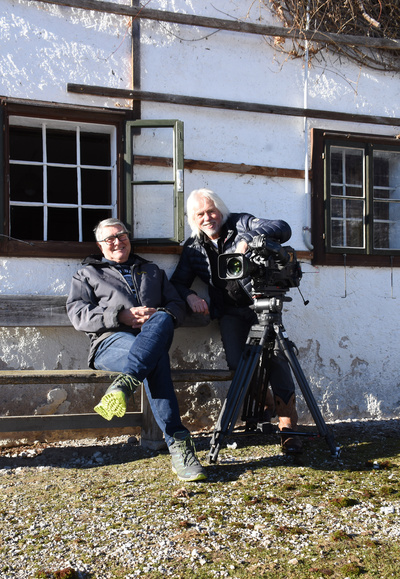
(322, 253)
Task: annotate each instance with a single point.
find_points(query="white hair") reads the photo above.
(204, 194)
(98, 230)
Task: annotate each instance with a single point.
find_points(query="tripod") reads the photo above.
(250, 382)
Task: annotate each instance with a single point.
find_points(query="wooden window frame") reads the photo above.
(322, 253)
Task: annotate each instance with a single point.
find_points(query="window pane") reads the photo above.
(381, 170)
(62, 224)
(354, 191)
(62, 185)
(347, 223)
(337, 190)
(26, 222)
(337, 207)
(61, 146)
(386, 225)
(337, 234)
(90, 218)
(26, 183)
(387, 189)
(153, 211)
(26, 144)
(95, 149)
(355, 209)
(354, 234)
(96, 187)
(347, 170)
(354, 167)
(336, 166)
(386, 175)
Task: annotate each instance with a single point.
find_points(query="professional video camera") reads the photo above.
(269, 265)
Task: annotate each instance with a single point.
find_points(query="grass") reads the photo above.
(259, 515)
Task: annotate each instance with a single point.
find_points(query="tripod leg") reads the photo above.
(287, 348)
(235, 397)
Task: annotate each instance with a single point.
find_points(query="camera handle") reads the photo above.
(256, 354)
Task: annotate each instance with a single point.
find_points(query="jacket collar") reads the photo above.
(99, 261)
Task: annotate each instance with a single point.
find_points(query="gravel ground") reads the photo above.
(105, 508)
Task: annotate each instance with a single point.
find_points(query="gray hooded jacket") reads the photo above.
(99, 292)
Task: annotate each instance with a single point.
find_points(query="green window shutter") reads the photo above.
(154, 169)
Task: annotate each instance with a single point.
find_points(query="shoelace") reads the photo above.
(189, 452)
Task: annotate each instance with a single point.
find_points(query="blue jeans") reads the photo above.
(235, 325)
(145, 356)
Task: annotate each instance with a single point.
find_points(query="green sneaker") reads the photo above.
(116, 397)
(185, 463)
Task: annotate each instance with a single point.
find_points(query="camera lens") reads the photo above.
(234, 266)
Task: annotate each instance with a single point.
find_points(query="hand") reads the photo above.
(197, 304)
(135, 317)
(242, 247)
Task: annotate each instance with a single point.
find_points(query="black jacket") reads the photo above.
(194, 261)
(99, 292)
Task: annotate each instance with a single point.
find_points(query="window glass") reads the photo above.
(62, 185)
(61, 147)
(27, 222)
(96, 187)
(26, 144)
(62, 224)
(386, 193)
(26, 183)
(95, 149)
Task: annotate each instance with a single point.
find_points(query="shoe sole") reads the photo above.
(112, 404)
(197, 477)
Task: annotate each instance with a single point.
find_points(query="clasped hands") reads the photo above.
(135, 317)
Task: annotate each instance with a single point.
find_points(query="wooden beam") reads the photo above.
(33, 310)
(54, 422)
(231, 105)
(229, 25)
(236, 168)
(102, 376)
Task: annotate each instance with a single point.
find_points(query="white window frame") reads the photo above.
(78, 127)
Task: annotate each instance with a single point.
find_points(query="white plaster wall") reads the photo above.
(348, 334)
(43, 47)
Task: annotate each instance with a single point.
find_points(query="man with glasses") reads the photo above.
(129, 310)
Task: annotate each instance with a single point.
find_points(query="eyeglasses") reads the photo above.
(123, 236)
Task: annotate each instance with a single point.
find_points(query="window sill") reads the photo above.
(70, 249)
(356, 260)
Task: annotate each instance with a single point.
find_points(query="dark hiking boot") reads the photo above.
(185, 463)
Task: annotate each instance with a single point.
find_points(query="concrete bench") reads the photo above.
(49, 311)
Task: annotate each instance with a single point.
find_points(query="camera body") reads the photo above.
(269, 265)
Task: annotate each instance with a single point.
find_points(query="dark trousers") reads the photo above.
(235, 325)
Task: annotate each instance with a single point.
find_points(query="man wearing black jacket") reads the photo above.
(215, 231)
(129, 310)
